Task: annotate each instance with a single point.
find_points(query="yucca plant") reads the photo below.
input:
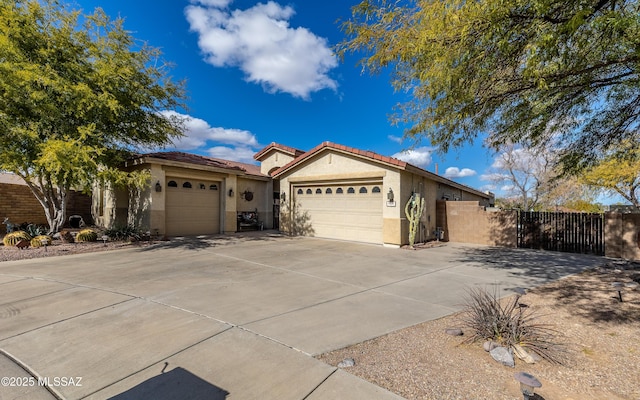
(41, 240)
(510, 324)
(87, 235)
(13, 238)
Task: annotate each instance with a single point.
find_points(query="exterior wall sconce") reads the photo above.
(158, 187)
(390, 195)
(230, 192)
(283, 196)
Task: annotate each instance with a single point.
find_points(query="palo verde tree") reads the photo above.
(517, 71)
(77, 94)
(618, 173)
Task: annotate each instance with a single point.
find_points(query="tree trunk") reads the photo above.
(53, 201)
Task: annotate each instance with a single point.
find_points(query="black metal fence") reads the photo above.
(558, 231)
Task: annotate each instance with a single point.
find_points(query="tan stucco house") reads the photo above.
(331, 191)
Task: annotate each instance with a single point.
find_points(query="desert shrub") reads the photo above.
(128, 232)
(509, 323)
(13, 238)
(87, 235)
(38, 240)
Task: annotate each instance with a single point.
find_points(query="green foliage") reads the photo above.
(87, 235)
(77, 93)
(619, 173)
(509, 324)
(39, 240)
(13, 238)
(519, 71)
(128, 232)
(413, 210)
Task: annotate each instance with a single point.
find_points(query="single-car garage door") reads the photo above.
(346, 212)
(192, 207)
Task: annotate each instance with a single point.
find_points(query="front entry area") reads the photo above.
(351, 211)
(192, 207)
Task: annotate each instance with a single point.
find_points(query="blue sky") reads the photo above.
(265, 72)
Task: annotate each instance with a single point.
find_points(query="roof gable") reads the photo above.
(273, 146)
(389, 161)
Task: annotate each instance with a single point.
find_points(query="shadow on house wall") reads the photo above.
(295, 222)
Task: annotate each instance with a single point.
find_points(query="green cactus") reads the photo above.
(87, 235)
(13, 238)
(413, 210)
(40, 240)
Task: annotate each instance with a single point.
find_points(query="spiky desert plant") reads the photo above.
(13, 238)
(509, 323)
(87, 235)
(40, 240)
(413, 210)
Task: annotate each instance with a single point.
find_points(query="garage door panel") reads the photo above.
(192, 211)
(346, 216)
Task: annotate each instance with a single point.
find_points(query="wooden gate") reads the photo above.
(558, 231)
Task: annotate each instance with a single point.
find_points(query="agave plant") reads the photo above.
(13, 238)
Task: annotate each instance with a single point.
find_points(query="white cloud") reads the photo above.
(420, 156)
(261, 43)
(455, 172)
(397, 139)
(241, 154)
(198, 133)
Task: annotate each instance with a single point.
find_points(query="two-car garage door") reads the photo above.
(346, 212)
(192, 207)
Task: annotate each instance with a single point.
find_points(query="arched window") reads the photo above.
(172, 184)
(375, 189)
(363, 190)
(300, 191)
(213, 187)
(318, 191)
(203, 186)
(309, 191)
(351, 190)
(328, 191)
(187, 185)
(339, 191)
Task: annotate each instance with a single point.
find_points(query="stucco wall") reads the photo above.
(468, 222)
(622, 236)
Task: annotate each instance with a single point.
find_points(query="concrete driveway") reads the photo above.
(232, 317)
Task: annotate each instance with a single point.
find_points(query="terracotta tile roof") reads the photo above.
(377, 157)
(352, 150)
(250, 169)
(188, 158)
(290, 150)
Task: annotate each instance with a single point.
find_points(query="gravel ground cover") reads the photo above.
(601, 333)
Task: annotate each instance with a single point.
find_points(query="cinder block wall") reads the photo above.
(468, 222)
(622, 236)
(18, 203)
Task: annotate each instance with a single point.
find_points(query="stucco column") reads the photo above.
(230, 204)
(157, 215)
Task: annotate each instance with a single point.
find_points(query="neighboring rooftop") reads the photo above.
(178, 156)
(273, 145)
